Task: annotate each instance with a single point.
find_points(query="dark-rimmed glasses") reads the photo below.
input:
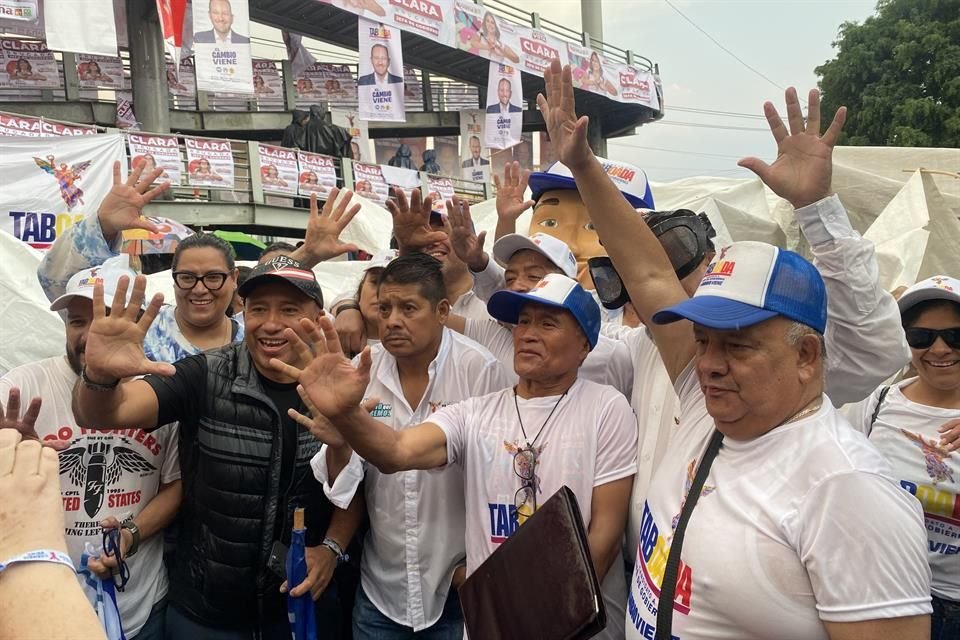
(920, 338)
(213, 281)
(111, 547)
(525, 499)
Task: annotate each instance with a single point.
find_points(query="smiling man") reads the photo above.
(244, 459)
(221, 18)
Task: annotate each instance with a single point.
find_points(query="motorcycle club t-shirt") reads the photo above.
(103, 473)
(798, 526)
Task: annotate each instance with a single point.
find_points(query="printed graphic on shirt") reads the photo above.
(101, 471)
(691, 474)
(652, 554)
(934, 455)
(382, 410)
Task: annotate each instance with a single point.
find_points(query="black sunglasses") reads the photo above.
(213, 281)
(920, 338)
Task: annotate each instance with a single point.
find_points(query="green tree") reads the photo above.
(899, 75)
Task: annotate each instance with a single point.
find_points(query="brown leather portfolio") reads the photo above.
(540, 584)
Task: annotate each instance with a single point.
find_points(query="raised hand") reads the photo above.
(568, 134)
(411, 221)
(802, 172)
(318, 426)
(122, 209)
(322, 240)
(115, 341)
(510, 192)
(463, 236)
(330, 381)
(25, 424)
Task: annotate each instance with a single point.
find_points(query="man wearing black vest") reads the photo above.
(245, 463)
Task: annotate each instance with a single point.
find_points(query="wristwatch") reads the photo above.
(134, 533)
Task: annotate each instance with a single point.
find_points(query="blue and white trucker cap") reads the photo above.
(631, 181)
(553, 249)
(750, 282)
(555, 290)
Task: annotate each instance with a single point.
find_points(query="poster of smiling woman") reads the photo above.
(221, 46)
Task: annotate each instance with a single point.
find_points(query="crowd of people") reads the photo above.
(761, 446)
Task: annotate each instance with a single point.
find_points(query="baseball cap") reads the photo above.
(631, 181)
(555, 290)
(288, 270)
(749, 282)
(935, 288)
(553, 249)
(381, 259)
(109, 273)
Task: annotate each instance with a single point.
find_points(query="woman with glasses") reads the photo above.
(914, 423)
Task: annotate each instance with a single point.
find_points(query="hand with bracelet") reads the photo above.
(129, 535)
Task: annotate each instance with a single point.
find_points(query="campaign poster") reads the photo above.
(209, 163)
(368, 181)
(373, 9)
(183, 85)
(318, 174)
(480, 32)
(267, 84)
(359, 133)
(19, 10)
(51, 183)
(591, 72)
(322, 82)
(100, 72)
(380, 75)
(278, 169)
(29, 127)
(125, 118)
(432, 19)
(27, 64)
(448, 154)
(474, 157)
(412, 88)
(504, 116)
(152, 151)
(637, 86)
(221, 47)
(81, 26)
(441, 190)
(538, 48)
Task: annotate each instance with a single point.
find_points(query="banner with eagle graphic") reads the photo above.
(50, 183)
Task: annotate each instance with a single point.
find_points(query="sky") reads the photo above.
(784, 40)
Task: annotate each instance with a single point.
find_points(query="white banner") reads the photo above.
(637, 86)
(221, 47)
(186, 85)
(153, 151)
(209, 162)
(28, 127)
(591, 72)
(483, 34)
(125, 117)
(380, 76)
(100, 72)
(504, 111)
(323, 82)
(431, 19)
(538, 48)
(318, 174)
(82, 26)
(359, 133)
(474, 159)
(51, 183)
(19, 10)
(27, 64)
(368, 181)
(278, 169)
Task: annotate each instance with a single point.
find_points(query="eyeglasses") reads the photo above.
(213, 281)
(111, 547)
(920, 338)
(525, 466)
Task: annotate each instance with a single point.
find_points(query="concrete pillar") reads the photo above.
(591, 18)
(148, 70)
(595, 136)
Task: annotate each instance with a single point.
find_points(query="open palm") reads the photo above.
(568, 134)
(122, 209)
(463, 236)
(322, 240)
(510, 192)
(411, 220)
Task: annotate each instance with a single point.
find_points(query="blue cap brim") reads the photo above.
(541, 182)
(714, 312)
(505, 306)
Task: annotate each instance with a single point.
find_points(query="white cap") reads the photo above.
(81, 283)
(381, 259)
(553, 249)
(935, 288)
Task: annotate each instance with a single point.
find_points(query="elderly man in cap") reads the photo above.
(136, 485)
(245, 462)
(572, 431)
(797, 530)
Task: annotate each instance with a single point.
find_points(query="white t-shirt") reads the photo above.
(590, 440)
(103, 473)
(800, 525)
(906, 433)
(607, 363)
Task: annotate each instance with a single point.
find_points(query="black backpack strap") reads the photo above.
(876, 409)
(668, 586)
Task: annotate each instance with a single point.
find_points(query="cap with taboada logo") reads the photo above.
(631, 181)
(935, 288)
(81, 284)
(750, 282)
(553, 249)
(288, 270)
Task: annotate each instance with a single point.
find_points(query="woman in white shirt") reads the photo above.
(914, 423)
